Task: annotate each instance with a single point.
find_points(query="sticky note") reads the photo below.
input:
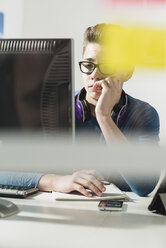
(134, 46)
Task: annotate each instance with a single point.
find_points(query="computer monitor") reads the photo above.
(36, 85)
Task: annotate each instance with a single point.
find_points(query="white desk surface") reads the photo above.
(43, 222)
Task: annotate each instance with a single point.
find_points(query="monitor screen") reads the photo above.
(36, 89)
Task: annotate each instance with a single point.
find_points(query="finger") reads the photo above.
(118, 83)
(94, 184)
(99, 82)
(97, 183)
(89, 184)
(97, 86)
(82, 174)
(109, 80)
(105, 84)
(96, 174)
(81, 189)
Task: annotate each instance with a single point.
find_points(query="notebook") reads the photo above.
(112, 193)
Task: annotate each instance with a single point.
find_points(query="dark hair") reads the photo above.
(95, 33)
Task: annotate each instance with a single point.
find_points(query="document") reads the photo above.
(112, 193)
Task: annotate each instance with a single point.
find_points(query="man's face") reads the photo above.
(93, 53)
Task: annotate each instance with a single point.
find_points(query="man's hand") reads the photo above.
(110, 90)
(79, 181)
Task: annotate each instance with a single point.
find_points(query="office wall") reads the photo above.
(62, 18)
(12, 17)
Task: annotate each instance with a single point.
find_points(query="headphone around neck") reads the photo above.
(83, 112)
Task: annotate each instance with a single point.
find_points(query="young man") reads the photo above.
(105, 110)
(102, 106)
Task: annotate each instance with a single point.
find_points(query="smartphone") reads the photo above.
(110, 205)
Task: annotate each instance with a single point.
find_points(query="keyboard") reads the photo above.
(16, 191)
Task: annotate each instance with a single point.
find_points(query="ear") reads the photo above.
(129, 74)
(124, 75)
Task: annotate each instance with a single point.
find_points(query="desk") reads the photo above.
(43, 222)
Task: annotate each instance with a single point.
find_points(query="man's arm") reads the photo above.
(110, 130)
(142, 183)
(79, 181)
(145, 130)
(29, 180)
(110, 96)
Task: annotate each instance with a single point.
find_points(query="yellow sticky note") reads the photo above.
(134, 46)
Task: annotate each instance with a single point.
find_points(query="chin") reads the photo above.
(95, 95)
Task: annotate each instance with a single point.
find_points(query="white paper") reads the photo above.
(112, 193)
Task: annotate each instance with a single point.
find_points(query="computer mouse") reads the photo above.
(7, 208)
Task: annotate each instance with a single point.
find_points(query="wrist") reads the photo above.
(48, 182)
(103, 113)
(103, 117)
(105, 121)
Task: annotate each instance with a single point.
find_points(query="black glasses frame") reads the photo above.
(94, 66)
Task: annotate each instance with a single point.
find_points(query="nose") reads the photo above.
(95, 75)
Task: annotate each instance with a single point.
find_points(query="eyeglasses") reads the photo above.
(88, 67)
